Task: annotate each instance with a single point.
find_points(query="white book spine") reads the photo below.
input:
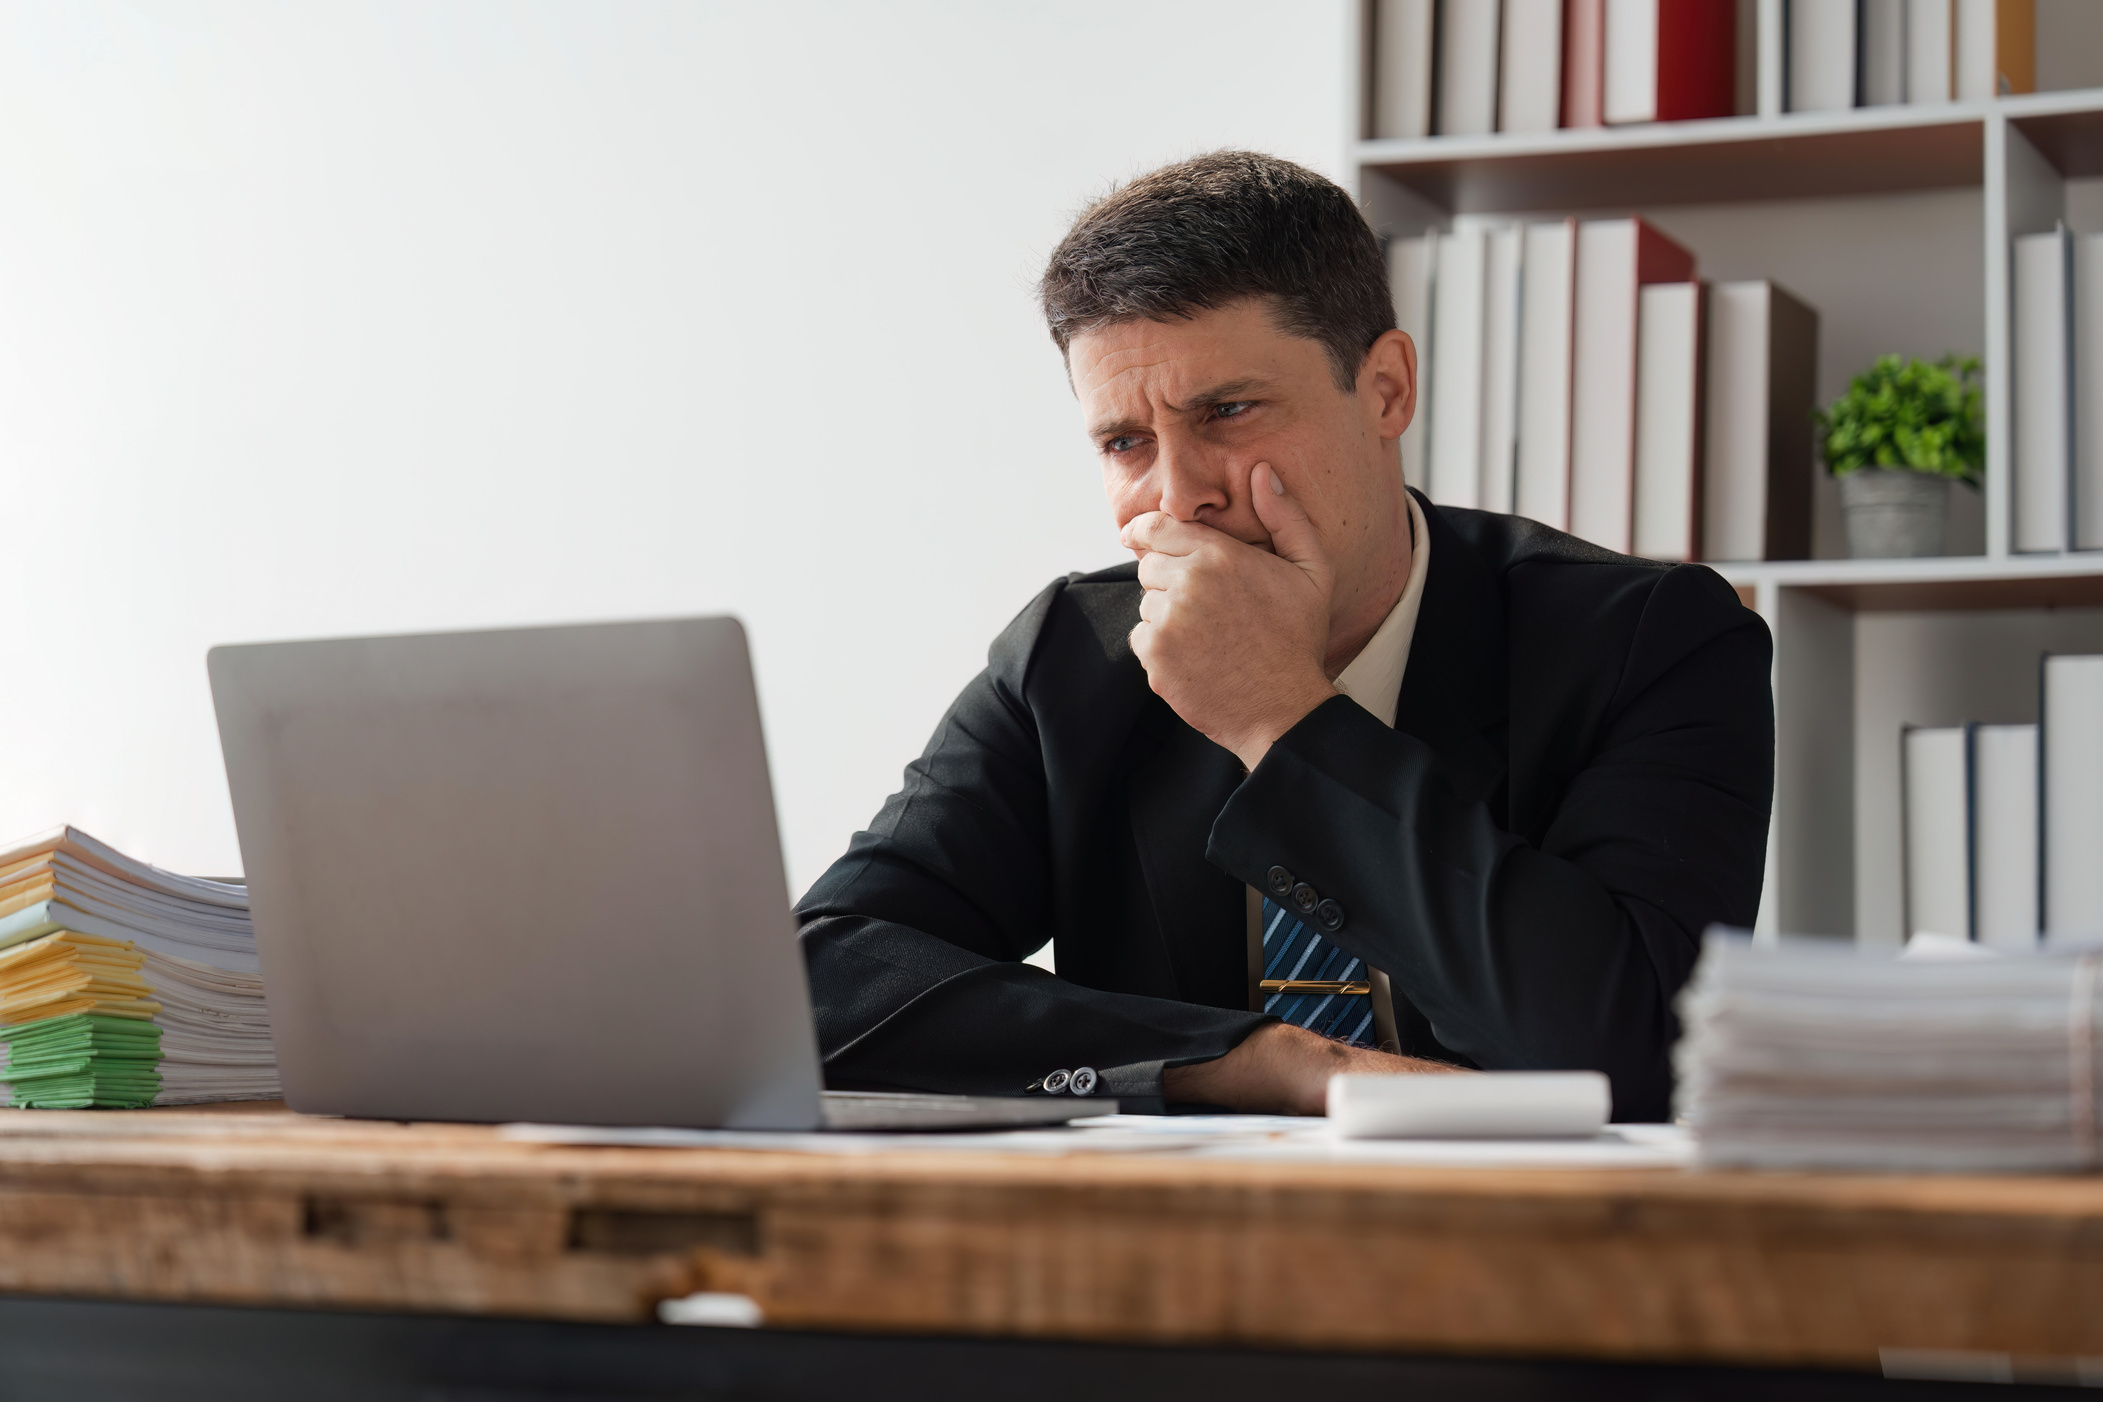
(1409, 269)
(1734, 458)
(1883, 52)
(1402, 54)
(1822, 54)
(1500, 369)
(2043, 425)
(1773, 79)
(1668, 398)
(2071, 775)
(1456, 354)
(2088, 392)
(2004, 835)
(1467, 72)
(1631, 61)
(1935, 771)
(1530, 87)
(1603, 393)
(1928, 43)
(1973, 50)
(1546, 328)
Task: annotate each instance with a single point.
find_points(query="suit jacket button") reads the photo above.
(1280, 881)
(1083, 1082)
(1331, 915)
(1057, 1081)
(1305, 897)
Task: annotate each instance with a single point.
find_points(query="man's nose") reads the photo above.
(1191, 479)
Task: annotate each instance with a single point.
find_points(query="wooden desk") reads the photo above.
(270, 1208)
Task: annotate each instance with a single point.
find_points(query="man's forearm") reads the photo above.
(1282, 1070)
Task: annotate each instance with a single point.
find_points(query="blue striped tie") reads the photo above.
(1310, 983)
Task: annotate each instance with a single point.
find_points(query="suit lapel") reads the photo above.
(1455, 691)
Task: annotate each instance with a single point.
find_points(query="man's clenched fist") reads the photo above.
(1233, 636)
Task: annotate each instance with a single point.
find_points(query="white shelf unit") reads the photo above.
(1895, 223)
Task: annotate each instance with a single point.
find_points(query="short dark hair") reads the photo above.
(1216, 229)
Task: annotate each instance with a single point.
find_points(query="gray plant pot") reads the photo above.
(1893, 513)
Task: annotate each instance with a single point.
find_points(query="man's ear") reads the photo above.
(1388, 382)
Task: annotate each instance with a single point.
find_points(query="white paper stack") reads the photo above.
(203, 987)
(1822, 1054)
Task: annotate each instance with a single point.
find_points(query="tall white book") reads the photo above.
(2070, 774)
(1822, 54)
(1547, 324)
(2004, 835)
(1757, 463)
(2088, 392)
(1402, 68)
(1972, 68)
(1929, 41)
(2044, 410)
(1668, 421)
(1409, 269)
(1467, 71)
(1530, 84)
(1615, 259)
(1460, 280)
(1500, 368)
(1883, 52)
(1935, 773)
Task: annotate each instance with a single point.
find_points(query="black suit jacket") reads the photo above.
(1578, 782)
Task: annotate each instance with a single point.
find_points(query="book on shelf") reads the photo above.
(1929, 39)
(1823, 50)
(1615, 259)
(2003, 826)
(1455, 459)
(2042, 337)
(1668, 422)
(1883, 52)
(1935, 778)
(1584, 63)
(1995, 49)
(1761, 378)
(1503, 283)
(1402, 68)
(2070, 777)
(123, 984)
(1669, 60)
(2087, 392)
(1530, 77)
(1970, 832)
(1547, 324)
(1466, 85)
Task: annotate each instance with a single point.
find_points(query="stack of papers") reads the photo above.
(124, 985)
(1818, 1054)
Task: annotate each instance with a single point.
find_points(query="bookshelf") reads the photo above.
(1895, 223)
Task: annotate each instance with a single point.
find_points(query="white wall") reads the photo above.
(363, 317)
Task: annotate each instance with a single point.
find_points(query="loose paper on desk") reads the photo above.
(1485, 1105)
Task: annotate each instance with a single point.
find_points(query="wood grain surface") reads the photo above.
(268, 1207)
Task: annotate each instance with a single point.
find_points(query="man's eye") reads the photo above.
(1234, 409)
(1123, 443)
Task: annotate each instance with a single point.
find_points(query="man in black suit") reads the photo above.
(1329, 779)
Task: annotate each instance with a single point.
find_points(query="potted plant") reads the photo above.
(1895, 441)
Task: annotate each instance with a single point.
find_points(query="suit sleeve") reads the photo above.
(914, 939)
(1566, 953)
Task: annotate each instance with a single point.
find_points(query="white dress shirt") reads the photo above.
(1374, 678)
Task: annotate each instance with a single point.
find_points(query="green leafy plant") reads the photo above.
(1907, 414)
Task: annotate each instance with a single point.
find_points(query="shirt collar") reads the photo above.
(1374, 678)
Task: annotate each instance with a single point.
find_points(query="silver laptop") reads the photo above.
(533, 874)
